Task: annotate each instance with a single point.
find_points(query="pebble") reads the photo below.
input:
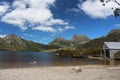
(77, 69)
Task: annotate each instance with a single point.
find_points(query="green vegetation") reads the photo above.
(113, 36)
(61, 42)
(76, 39)
(79, 46)
(92, 47)
(14, 42)
(68, 53)
(77, 53)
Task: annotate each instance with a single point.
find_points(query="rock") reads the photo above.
(34, 62)
(77, 69)
(57, 54)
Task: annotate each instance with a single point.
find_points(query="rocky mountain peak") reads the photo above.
(14, 42)
(80, 38)
(11, 37)
(76, 39)
(60, 38)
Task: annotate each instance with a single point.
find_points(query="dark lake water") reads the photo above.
(16, 59)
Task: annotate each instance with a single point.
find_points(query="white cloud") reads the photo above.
(95, 9)
(55, 22)
(34, 14)
(69, 27)
(3, 8)
(2, 36)
(60, 29)
(65, 28)
(28, 35)
(74, 9)
(45, 29)
(117, 25)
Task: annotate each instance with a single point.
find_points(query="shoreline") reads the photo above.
(51, 66)
(86, 72)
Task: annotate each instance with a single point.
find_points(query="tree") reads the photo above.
(115, 10)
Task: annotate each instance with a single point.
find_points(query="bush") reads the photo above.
(68, 53)
(92, 52)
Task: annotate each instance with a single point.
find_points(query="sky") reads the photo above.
(44, 20)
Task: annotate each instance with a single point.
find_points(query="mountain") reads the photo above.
(112, 36)
(80, 38)
(76, 39)
(14, 42)
(59, 41)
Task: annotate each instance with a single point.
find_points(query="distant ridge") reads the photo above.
(76, 39)
(112, 36)
(14, 42)
(80, 38)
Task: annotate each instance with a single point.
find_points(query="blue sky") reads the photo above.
(44, 20)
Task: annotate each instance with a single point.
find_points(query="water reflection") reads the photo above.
(13, 59)
(110, 62)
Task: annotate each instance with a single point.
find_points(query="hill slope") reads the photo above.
(14, 42)
(76, 39)
(112, 36)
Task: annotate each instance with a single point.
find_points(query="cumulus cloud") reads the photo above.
(69, 27)
(60, 29)
(3, 8)
(55, 22)
(34, 14)
(45, 29)
(2, 36)
(94, 8)
(65, 28)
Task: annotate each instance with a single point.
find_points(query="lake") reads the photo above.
(16, 59)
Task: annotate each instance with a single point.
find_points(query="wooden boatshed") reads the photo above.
(109, 49)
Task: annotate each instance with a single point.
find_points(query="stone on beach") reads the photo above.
(77, 69)
(34, 62)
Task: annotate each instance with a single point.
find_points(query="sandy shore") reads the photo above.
(92, 72)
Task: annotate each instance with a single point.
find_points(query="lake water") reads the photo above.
(16, 59)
